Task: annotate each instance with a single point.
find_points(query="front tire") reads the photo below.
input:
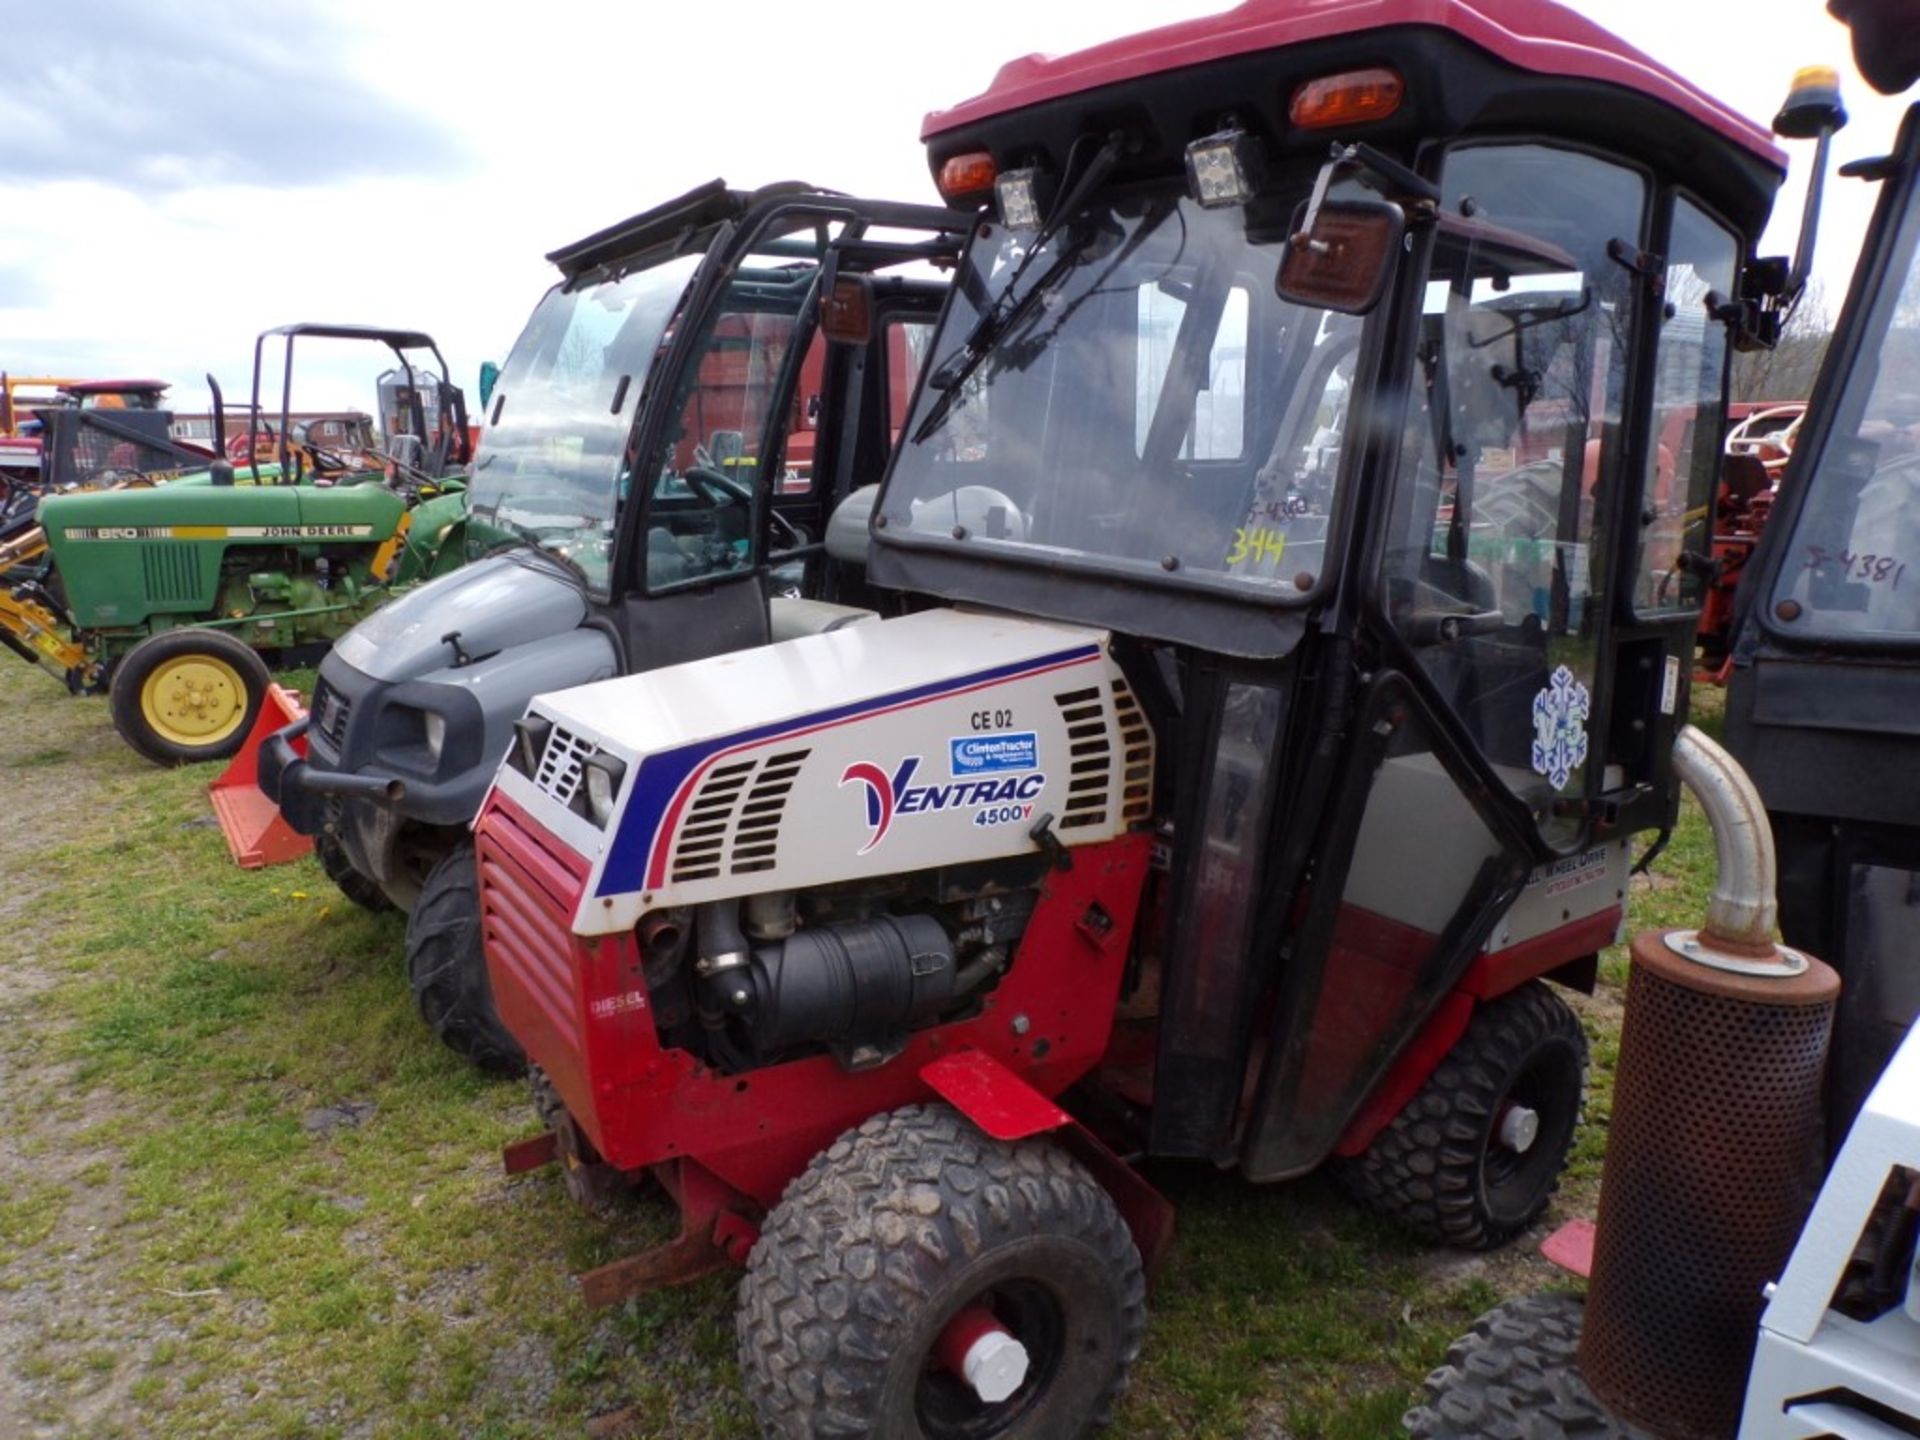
(892, 1231)
(1514, 1378)
(1473, 1159)
(447, 967)
(362, 890)
(184, 696)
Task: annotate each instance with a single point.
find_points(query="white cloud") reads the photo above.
(505, 130)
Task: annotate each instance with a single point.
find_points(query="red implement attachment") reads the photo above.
(255, 833)
(1571, 1248)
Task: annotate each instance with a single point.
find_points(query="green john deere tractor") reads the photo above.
(176, 598)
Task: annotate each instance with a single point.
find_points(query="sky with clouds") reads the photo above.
(175, 178)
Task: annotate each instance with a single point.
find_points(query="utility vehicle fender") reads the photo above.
(1007, 1108)
(992, 1096)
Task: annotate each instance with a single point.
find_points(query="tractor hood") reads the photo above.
(494, 604)
(785, 766)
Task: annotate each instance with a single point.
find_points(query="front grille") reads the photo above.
(1094, 792)
(526, 913)
(734, 820)
(1089, 758)
(171, 572)
(562, 764)
(330, 712)
(1136, 756)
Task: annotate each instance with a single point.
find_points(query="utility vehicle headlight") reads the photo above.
(602, 776)
(530, 735)
(435, 725)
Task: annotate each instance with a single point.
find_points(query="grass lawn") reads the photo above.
(243, 1192)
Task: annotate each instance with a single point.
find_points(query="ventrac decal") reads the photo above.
(219, 532)
(994, 802)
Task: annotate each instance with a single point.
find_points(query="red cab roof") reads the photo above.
(1533, 35)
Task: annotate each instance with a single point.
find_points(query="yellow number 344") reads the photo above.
(1264, 545)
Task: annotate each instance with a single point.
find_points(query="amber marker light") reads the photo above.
(968, 176)
(1353, 97)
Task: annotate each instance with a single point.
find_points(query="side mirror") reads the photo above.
(846, 315)
(1340, 253)
(489, 377)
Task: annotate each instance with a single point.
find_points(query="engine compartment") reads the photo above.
(851, 969)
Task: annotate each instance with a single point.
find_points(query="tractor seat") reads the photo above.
(789, 619)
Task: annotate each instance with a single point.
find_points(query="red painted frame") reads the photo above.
(581, 1009)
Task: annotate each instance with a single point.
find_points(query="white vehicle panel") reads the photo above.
(884, 748)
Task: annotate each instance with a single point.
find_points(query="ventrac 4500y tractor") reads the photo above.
(1235, 790)
(173, 597)
(686, 345)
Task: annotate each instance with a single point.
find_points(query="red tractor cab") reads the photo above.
(1265, 693)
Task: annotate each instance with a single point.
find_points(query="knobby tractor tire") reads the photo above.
(184, 696)
(1513, 1378)
(447, 967)
(892, 1230)
(1441, 1168)
(362, 890)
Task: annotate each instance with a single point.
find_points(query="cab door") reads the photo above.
(1479, 746)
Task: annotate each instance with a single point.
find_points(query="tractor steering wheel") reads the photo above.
(716, 487)
(327, 462)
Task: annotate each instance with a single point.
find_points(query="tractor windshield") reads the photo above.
(551, 466)
(1133, 398)
(1852, 571)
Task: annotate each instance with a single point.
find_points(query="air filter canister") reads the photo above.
(1713, 1158)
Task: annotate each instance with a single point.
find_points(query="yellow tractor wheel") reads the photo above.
(187, 695)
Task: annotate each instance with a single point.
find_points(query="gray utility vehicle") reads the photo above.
(752, 354)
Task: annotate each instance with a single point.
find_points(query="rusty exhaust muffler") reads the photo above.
(1713, 1151)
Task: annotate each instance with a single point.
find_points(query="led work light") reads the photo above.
(1224, 169)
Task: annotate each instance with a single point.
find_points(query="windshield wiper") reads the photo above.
(525, 537)
(952, 375)
(1005, 313)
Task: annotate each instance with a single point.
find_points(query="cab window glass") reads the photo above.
(1853, 567)
(1495, 573)
(908, 344)
(1093, 402)
(1219, 405)
(706, 476)
(1677, 485)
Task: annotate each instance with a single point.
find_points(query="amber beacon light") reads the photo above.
(967, 176)
(1352, 97)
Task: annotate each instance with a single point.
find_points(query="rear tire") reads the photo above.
(362, 890)
(184, 696)
(447, 967)
(890, 1232)
(1513, 1378)
(1442, 1168)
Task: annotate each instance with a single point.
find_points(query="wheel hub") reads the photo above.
(983, 1352)
(194, 699)
(1519, 1128)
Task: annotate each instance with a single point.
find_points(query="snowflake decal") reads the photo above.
(1560, 727)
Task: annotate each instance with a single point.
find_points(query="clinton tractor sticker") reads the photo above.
(995, 799)
(1560, 714)
(993, 754)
